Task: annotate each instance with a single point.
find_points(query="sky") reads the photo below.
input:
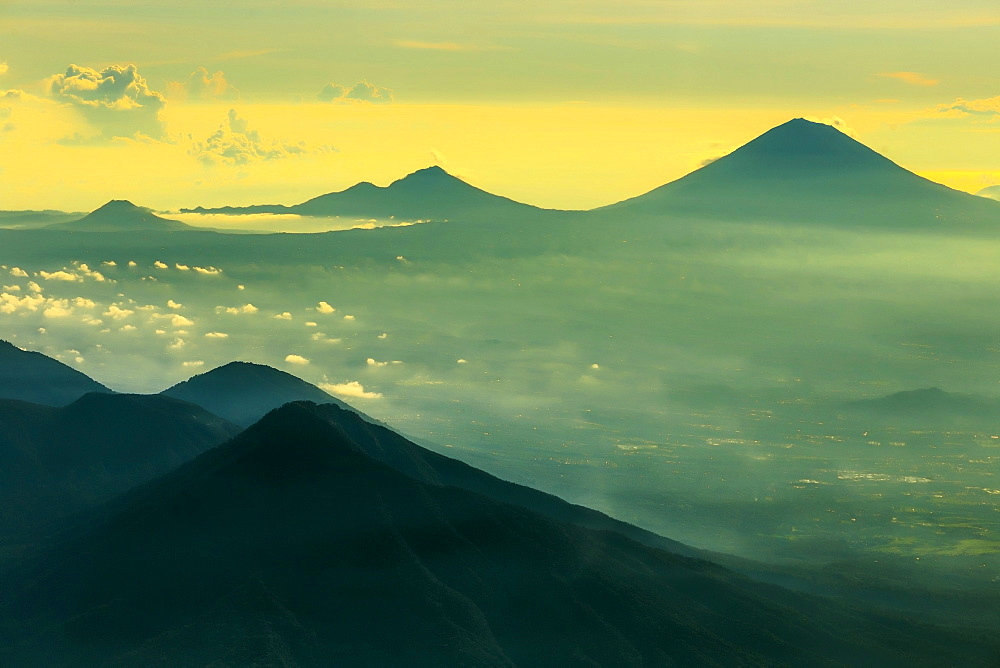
(565, 103)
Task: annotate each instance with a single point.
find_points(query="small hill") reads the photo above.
(120, 215)
(243, 392)
(932, 405)
(290, 545)
(427, 194)
(993, 192)
(56, 461)
(803, 171)
(34, 377)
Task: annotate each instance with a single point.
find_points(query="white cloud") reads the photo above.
(4, 67)
(177, 344)
(310, 323)
(83, 302)
(283, 316)
(174, 305)
(988, 106)
(461, 361)
(34, 287)
(383, 336)
(109, 263)
(237, 310)
(322, 338)
(160, 265)
(216, 335)
(296, 359)
(351, 390)
(12, 288)
(374, 363)
(208, 271)
(17, 271)
(324, 307)
(234, 143)
(200, 85)
(58, 309)
(128, 328)
(117, 312)
(60, 275)
(182, 267)
(116, 100)
(348, 317)
(362, 91)
(193, 364)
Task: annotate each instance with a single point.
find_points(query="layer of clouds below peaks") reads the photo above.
(362, 91)
(984, 107)
(116, 100)
(234, 143)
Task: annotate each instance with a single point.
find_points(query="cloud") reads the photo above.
(193, 364)
(296, 359)
(988, 106)
(234, 143)
(352, 390)
(60, 275)
(374, 363)
(17, 271)
(359, 92)
(836, 122)
(912, 78)
(175, 305)
(237, 310)
(59, 309)
(348, 317)
(117, 312)
(283, 316)
(4, 67)
(208, 271)
(116, 100)
(216, 335)
(200, 85)
(323, 307)
(161, 265)
(444, 46)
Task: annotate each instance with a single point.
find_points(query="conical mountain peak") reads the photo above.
(121, 215)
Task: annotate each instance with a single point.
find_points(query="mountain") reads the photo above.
(243, 392)
(930, 405)
(55, 461)
(120, 215)
(31, 376)
(806, 171)
(27, 220)
(427, 194)
(290, 545)
(993, 192)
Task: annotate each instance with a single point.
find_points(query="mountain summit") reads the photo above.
(34, 377)
(121, 215)
(803, 171)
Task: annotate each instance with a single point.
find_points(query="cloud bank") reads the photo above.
(362, 91)
(116, 100)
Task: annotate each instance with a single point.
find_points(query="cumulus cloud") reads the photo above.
(60, 275)
(348, 317)
(208, 271)
(161, 265)
(17, 271)
(234, 143)
(349, 390)
(296, 359)
(988, 106)
(174, 305)
(374, 363)
(283, 316)
(323, 307)
(320, 337)
(237, 310)
(193, 364)
(4, 67)
(383, 336)
(216, 335)
(362, 91)
(311, 324)
(117, 312)
(116, 100)
(912, 78)
(200, 85)
(58, 309)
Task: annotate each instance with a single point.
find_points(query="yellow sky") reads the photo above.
(566, 104)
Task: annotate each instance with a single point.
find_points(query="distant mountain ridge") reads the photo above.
(930, 403)
(427, 194)
(120, 215)
(804, 171)
(37, 378)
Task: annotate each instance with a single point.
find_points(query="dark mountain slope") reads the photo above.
(55, 461)
(120, 215)
(291, 541)
(804, 171)
(34, 377)
(243, 392)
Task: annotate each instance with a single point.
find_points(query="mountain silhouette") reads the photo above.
(805, 171)
(243, 392)
(930, 405)
(58, 460)
(993, 192)
(120, 215)
(427, 194)
(34, 377)
(290, 545)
